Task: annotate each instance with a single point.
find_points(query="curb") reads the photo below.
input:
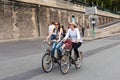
(100, 37)
(15, 40)
(84, 39)
(23, 39)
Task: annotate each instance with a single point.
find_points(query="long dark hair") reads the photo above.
(58, 26)
(64, 31)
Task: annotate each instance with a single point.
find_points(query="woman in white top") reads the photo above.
(74, 34)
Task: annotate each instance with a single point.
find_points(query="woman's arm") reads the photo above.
(67, 34)
(78, 35)
(59, 35)
(50, 34)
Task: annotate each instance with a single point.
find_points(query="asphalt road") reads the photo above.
(21, 60)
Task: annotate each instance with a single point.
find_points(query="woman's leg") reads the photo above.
(53, 48)
(75, 47)
(58, 47)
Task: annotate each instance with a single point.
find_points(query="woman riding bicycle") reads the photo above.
(74, 34)
(56, 32)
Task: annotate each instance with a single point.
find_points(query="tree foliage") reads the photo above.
(112, 5)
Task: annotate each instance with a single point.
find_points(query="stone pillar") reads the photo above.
(107, 19)
(99, 23)
(34, 23)
(6, 22)
(110, 19)
(87, 21)
(48, 16)
(64, 17)
(80, 20)
(83, 20)
(103, 20)
(59, 15)
(43, 21)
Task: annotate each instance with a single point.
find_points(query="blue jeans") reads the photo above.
(53, 48)
(53, 37)
(58, 47)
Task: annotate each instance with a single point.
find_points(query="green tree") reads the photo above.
(116, 5)
(113, 5)
(107, 4)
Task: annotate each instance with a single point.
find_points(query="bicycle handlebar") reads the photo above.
(49, 42)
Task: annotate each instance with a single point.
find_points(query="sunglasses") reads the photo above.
(56, 24)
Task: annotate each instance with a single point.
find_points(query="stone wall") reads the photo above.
(17, 22)
(48, 14)
(27, 20)
(6, 22)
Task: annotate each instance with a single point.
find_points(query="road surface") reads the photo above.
(21, 60)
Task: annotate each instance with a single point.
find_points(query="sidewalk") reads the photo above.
(84, 38)
(99, 37)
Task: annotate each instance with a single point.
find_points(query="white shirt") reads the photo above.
(74, 35)
(93, 22)
(51, 27)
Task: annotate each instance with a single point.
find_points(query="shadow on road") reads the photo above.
(94, 51)
(25, 75)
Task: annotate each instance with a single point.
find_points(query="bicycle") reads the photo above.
(48, 60)
(72, 59)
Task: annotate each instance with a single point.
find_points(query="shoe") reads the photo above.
(78, 60)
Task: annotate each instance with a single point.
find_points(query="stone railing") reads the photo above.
(104, 13)
(108, 24)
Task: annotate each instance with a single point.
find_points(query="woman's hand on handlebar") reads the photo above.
(58, 40)
(63, 40)
(54, 40)
(48, 42)
(45, 40)
(76, 41)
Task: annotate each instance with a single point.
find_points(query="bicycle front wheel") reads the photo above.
(47, 63)
(78, 63)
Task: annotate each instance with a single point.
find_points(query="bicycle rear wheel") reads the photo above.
(47, 62)
(64, 64)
